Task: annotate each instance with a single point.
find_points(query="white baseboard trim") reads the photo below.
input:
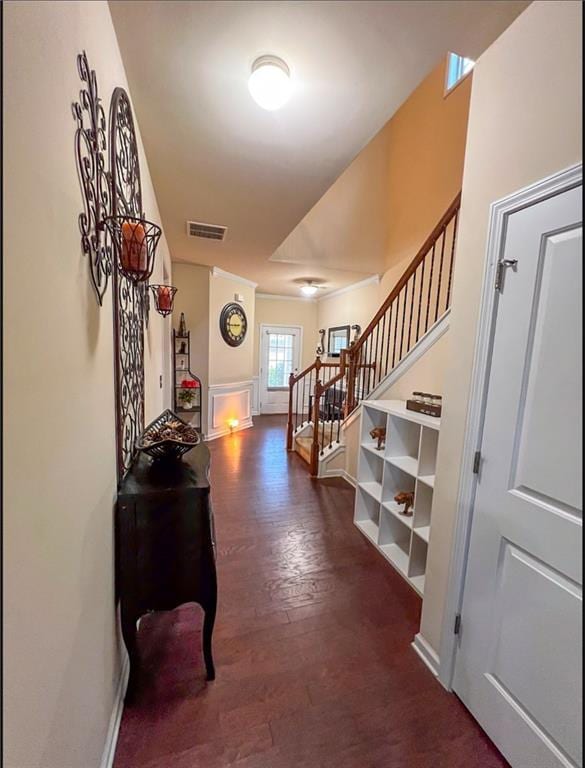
(213, 434)
(339, 473)
(116, 716)
(255, 396)
(427, 653)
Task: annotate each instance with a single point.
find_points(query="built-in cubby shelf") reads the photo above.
(407, 462)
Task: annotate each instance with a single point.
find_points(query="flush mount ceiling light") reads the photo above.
(309, 289)
(269, 82)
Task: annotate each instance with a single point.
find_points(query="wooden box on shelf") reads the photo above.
(406, 464)
(186, 386)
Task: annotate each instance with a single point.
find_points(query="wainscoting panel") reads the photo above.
(226, 402)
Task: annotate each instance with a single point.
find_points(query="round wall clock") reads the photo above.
(233, 324)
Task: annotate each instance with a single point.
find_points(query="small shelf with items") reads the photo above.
(187, 390)
(396, 472)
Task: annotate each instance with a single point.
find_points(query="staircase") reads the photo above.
(326, 394)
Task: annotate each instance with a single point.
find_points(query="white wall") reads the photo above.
(61, 650)
(525, 123)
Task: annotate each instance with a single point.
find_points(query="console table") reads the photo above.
(165, 546)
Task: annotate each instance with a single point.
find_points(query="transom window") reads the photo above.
(280, 358)
(457, 68)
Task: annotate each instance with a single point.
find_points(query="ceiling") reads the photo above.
(215, 156)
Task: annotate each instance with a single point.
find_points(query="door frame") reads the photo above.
(263, 327)
(500, 210)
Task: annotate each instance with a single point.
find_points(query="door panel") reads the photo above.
(549, 451)
(518, 668)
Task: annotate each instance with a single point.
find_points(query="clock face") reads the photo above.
(233, 324)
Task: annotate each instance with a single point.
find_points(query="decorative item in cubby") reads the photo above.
(164, 296)
(406, 498)
(182, 332)
(379, 434)
(394, 497)
(168, 436)
(424, 402)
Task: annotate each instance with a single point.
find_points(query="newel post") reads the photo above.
(350, 383)
(315, 443)
(289, 426)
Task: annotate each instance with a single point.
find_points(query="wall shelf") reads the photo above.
(193, 415)
(410, 456)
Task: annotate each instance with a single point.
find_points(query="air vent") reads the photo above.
(209, 231)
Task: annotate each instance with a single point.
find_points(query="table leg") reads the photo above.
(208, 623)
(129, 636)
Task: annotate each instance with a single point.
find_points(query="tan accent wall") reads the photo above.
(422, 148)
(349, 219)
(283, 312)
(525, 123)
(230, 364)
(192, 298)
(426, 149)
(61, 647)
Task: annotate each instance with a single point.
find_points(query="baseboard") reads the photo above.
(339, 473)
(426, 653)
(213, 434)
(116, 717)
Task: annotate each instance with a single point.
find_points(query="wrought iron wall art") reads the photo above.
(119, 242)
(164, 296)
(129, 303)
(90, 146)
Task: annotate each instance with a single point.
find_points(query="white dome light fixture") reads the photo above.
(269, 82)
(309, 289)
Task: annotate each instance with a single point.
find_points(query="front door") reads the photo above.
(518, 668)
(279, 357)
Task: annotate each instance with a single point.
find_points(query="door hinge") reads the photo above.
(476, 462)
(500, 269)
(457, 625)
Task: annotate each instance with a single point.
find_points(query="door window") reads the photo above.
(280, 359)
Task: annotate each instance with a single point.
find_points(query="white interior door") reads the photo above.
(518, 667)
(279, 357)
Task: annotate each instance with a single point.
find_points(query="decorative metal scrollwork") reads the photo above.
(90, 145)
(130, 300)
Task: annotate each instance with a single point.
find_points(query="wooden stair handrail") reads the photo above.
(351, 366)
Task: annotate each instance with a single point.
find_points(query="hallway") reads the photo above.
(312, 642)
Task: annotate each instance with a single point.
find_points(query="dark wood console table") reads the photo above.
(165, 546)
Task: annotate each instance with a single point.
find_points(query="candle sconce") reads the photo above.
(164, 296)
(134, 241)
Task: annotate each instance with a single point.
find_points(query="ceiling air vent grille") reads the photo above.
(208, 231)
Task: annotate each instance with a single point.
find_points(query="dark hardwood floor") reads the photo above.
(312, 641)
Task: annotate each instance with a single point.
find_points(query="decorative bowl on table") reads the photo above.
(167, 437)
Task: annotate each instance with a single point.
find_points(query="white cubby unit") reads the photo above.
(405, 463)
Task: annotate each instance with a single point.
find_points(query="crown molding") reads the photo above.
(374, 279)
(282, 297)
(217, 272)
